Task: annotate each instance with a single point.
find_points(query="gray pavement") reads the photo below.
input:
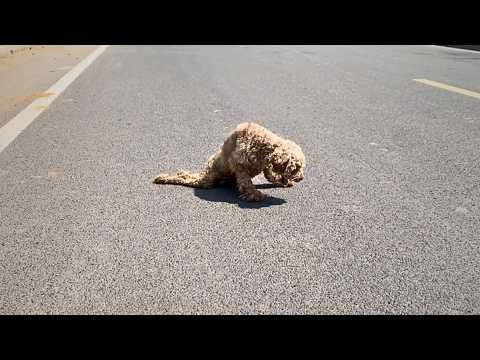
(386, 221)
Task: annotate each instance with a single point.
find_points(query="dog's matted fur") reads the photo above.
(249, 150)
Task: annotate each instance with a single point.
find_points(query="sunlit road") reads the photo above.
(387, 219)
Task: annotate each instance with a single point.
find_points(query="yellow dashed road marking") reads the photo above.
(449, 88)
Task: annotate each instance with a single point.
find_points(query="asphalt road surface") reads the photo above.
(386, 220)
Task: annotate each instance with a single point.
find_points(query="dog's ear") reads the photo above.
(283, 163)
(279, 162)
(290, 165)
(276, 159)
(299, 172)
(287, 165)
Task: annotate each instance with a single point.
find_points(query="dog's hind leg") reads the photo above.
(205, 179)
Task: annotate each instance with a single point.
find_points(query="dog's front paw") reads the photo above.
(284, 184)
(253, 196)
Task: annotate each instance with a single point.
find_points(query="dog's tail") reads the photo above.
(185, 178)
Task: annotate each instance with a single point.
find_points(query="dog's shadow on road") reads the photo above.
(230, 194)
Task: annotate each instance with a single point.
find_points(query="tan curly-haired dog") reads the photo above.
(249, 150)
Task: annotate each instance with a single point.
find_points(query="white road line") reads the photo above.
(15, 126)
(456, 49)
(449, 88)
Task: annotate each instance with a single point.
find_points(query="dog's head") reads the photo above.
(289, 162)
